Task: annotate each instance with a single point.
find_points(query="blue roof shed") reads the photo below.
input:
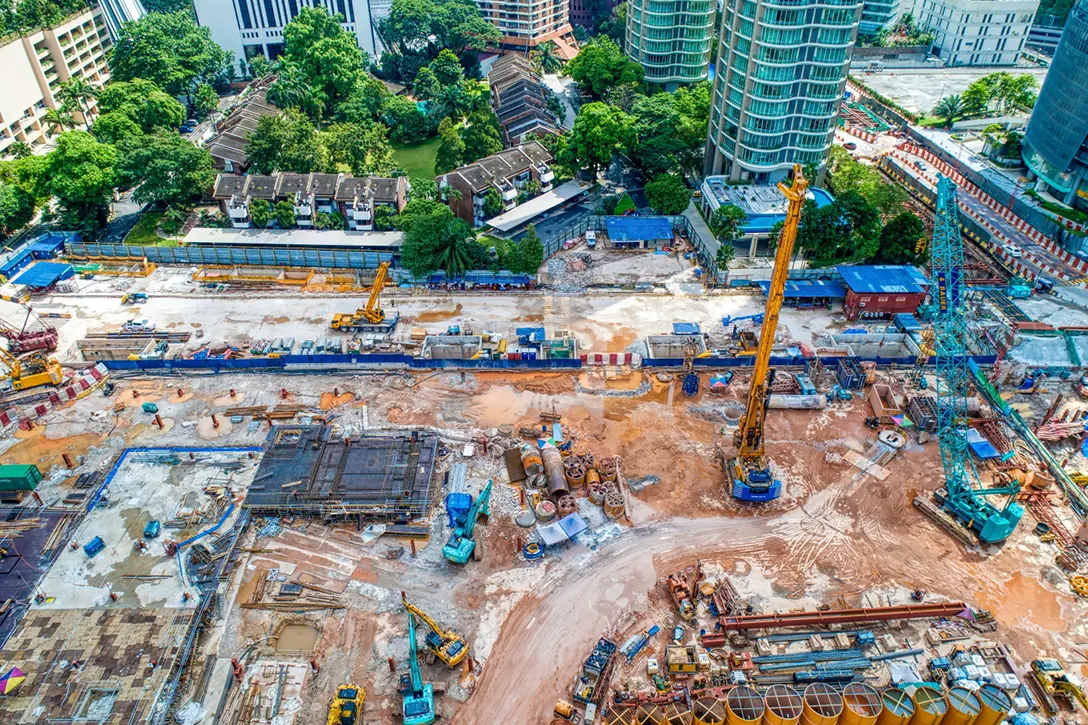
(884, 279)
(638, 229)
(808, 289)
(686, 328)
(44, 274)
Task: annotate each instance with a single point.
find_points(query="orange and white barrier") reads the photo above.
(611, 358)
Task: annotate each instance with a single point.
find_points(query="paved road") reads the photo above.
(1049, 261)
(126, 213)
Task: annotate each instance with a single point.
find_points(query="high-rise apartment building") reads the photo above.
(671, 39)
(34, 67)
(116, 13)
(977, 32)
(877, 15)
(781, 71)
(528, 23)
(1056, 139)
(255, 27)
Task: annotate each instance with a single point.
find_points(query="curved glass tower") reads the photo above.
(1056, 139)
(672, 39)
(780, 74)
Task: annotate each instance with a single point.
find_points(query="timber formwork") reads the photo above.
(307, 472)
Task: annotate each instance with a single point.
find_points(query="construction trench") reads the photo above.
(613, 573)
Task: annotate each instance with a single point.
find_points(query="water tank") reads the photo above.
(995, 705)
(930, 706)
(861, 705)
(963, 707)
(743, 706)
(822, 705)
(707, 711)
(898, 707)
(783, 706)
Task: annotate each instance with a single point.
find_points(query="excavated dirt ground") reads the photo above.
(836, 532)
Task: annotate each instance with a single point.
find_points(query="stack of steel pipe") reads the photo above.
(607, 468)
(613, 505)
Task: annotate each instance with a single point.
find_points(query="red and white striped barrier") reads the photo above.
(611, 358)
(78, 386)
(859, 133)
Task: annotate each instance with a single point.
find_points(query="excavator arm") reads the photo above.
(423, 617)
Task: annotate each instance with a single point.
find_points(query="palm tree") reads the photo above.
(949, 108)
(544, 57)
(58, 121)
(76, 92)
(454, 258)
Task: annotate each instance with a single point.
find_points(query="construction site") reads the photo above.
(232, 501)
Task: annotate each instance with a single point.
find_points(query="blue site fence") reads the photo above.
(334, 363)
(231, 255)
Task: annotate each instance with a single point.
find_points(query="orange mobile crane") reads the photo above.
(750, 472)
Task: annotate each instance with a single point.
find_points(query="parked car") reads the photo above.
(850, 146)
(921, 165)
(186, 129)
(1013, 251)
(192, 122)
(138, 326)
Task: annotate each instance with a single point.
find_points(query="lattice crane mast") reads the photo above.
(751, 473)
(962, 495)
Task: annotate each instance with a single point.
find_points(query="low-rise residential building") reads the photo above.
(507, 172)
(977, 32)
(879, 292)
(520, 99)
(37, 64)
(228, 145)
(355, 199)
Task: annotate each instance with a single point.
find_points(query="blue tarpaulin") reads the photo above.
(803, 289)
(980, 446)
(527, 335)
(44, 274)
(638, 229)
(685, 328)
(907, 322)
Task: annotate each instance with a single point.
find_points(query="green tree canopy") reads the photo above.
(668, 194)
(81, 174)
(260, 212)
(599, 131)
(899, 239)
(169, 49)
(670, 130)
(284, 211)
(950, 109)
(727, 222)
(287, 142)
(426, 86)
(17, 208)
(164, 167)
(321, 62)
(407, 124)
(143, 102)
(364, 149)
(451, 149)
(447, 68)
(454, 24)
(601, 65)
(365, 102)
(481, 136)
(436, 239)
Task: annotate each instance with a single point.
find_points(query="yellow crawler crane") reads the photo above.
(371, 318)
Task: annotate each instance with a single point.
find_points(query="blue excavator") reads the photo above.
(418, 703)
(462, 544)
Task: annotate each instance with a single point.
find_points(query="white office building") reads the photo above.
(977, 32)
(255, 27)
(116, 13)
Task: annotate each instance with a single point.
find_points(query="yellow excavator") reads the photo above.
(31, 372)
(445, 644)
(1052, 677)
(749, 474)
(371, 318)
(347, 705)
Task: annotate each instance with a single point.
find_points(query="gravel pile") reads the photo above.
(570, 272)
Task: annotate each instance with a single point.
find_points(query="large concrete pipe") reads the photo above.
(554, 470)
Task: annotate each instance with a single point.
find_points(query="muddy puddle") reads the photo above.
(297, 638)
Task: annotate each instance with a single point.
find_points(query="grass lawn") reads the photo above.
(418, 159)
(143, 234)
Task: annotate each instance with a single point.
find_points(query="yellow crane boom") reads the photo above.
(752, 477)
(32, 372)
(372, 314)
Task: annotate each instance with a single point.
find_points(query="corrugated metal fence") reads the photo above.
(231, 255)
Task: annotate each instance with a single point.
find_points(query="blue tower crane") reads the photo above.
(962, 495)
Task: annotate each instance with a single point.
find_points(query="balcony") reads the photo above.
(507, 191)
(238, 211)
(360, 213)
(547, 176)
